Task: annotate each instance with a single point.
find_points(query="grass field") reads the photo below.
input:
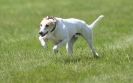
(23, 60)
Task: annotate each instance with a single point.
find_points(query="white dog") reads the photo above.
(66, 31)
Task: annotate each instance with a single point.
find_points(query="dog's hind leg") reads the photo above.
(69, 45)
(88, 36)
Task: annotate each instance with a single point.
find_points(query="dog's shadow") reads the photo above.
(77, 59)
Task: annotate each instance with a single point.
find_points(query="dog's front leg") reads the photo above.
(43, 43)
(57, 46)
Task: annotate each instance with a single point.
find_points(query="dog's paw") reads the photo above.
(55, 49)
(96, 55)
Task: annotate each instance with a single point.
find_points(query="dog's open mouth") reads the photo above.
(43, 34)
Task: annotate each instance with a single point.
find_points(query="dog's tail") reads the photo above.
(96, 21)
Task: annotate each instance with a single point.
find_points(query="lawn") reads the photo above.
(23, 60)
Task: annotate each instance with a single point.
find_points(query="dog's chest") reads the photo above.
(54, 38)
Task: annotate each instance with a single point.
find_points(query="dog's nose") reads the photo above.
(40, 33)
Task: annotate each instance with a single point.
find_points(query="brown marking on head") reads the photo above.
(48, 21)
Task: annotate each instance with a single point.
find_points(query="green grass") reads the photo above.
(23, 60)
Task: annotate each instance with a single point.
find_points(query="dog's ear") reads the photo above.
(54, 20)
(52, 17)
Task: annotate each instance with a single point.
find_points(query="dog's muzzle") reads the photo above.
(43, 34)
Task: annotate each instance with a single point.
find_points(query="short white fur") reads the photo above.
(66, 33)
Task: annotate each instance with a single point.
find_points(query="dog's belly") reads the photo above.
(56, 41)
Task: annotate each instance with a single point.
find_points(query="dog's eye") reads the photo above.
(40, 25)
(47, 25)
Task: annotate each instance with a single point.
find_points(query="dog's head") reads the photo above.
(47, 25)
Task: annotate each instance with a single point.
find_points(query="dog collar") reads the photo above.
(53, 27)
